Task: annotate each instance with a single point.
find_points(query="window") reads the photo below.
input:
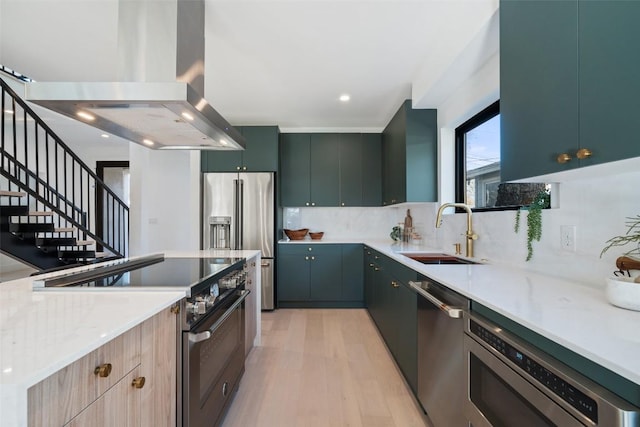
(478, 181)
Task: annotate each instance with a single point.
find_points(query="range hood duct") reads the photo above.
(158, 100)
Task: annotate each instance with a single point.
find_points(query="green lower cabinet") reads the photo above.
(405, 321)
(352, 274)
(324, 274)
(392, 305)
(319, 275)
(369, 274)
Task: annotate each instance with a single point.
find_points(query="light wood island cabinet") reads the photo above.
(129, 381)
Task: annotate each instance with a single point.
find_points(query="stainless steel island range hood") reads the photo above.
(158, 100)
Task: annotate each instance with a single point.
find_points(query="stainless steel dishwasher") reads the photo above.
(441, 370)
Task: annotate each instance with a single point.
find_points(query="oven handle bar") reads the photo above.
(452, 312)
(203, 336)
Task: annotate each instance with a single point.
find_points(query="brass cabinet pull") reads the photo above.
(309, 249)
(103, 371)
(395, 284)
(244, 168)
(313, 258)
(313, 204)
(307, 203)
(583, 153)
(138, 382)
(563, 158)
(371, 264)
(307, 258)
(376, 257)
(376, 269)
(342, 203)
(237, 168)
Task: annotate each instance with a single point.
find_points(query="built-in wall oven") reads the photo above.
(512, 383)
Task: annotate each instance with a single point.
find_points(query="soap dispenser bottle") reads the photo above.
(408, 226)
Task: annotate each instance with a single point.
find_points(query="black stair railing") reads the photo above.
(36, 161)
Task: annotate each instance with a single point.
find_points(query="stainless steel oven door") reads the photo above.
(213, 362)
(498, 396)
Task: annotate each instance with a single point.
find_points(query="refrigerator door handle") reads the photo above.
(239, 196)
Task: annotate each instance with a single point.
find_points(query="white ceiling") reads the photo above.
(280, 62)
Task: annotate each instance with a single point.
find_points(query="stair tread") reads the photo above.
(40, 213)
(85, 242)
(55, 241)
(79, 253)
(31, 227)
(14, 210)
(6, 193)
(64, 230)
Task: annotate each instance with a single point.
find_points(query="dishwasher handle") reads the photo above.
(452, 312)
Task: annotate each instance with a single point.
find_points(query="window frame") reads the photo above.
(461, 155)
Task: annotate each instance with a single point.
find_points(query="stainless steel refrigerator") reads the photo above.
(238, 213)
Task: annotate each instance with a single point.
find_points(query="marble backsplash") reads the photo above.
(596, 204)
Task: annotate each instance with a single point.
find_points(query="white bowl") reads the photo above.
(623, 292)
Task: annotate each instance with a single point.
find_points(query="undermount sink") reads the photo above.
(438, 258)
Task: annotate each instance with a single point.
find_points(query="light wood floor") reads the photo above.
(322, 367)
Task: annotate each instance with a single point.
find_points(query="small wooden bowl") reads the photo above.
(316, 235)
(296, 234)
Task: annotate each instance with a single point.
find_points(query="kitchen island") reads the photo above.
(42, 332)
(574, 316)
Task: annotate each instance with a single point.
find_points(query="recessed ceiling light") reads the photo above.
(148, 142)
(85, 115)
(187, 116)
(344, 97)
(104, 135)
(223, 142)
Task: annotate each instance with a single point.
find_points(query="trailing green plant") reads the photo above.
(631, 236)
(534, 219)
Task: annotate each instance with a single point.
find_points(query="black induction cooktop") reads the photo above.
(149, 272)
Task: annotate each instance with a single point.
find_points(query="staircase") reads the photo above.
(48, 196)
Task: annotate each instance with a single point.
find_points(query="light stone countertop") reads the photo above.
(41, 332)
(573, 315)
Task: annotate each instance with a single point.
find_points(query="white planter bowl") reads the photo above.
(623, 292)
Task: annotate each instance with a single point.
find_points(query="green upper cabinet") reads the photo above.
(538, 86)
(410, 156)
(609, 63)
(295, 178)
(567, 84)
(309, 170)
(360, 169)
(324, 187)
(330, 169)
(371, 169)
(259, 155)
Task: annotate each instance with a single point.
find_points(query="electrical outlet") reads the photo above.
(568, 238)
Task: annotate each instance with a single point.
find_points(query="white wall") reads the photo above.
(165, 200)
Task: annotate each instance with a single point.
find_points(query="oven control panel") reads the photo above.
(574, 397)
(206, 297)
